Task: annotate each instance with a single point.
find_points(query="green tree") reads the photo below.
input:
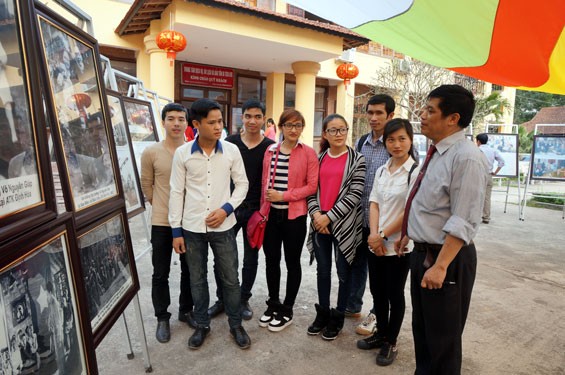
(493, 104)
(526, 139)
(528, 103)
(409, 82)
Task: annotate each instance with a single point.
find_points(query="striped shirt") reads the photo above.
(281, 177)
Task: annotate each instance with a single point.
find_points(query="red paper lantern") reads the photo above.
(79, 101)
(347, 71)
(172, 42)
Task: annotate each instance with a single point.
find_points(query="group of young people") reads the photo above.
(364, 203)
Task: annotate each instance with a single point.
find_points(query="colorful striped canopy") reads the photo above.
(517, 43)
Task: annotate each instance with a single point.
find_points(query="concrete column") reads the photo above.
(345, 102)
(161, 73)
(275, 96)
(305, 73)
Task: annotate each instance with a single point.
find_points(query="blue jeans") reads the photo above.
(250, 255)
(162, 243)
(224, 248)
(324, 246)
(358, 277)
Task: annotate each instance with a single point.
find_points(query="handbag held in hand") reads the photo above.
(258, 221)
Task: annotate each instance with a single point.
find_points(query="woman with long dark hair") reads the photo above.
(337, 221)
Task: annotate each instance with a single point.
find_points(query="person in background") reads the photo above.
(156, 162)
(252, 146)
(492, 155)
(270, 131)
(201, 204)
(296, 178)
(388, 270)
(337, 221)
(442, 216)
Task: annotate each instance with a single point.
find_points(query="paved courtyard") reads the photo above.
(516, 323)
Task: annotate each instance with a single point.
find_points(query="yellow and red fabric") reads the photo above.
(518, 43)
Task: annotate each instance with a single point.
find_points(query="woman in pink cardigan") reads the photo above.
(296, 178)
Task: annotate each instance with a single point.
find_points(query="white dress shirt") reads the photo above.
(200, 184)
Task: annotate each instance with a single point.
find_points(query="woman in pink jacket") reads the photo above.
(295, 178)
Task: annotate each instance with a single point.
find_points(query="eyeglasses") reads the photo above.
(289, 126)
(334, 131)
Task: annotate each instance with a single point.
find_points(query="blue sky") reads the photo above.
(352, 13)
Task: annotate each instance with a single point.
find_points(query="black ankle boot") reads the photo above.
(321, 321)
(334, 325)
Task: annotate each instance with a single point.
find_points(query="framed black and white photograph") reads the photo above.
(421, 145)
(108, 268)
(548, 158)
(141, 125)
(24, 179)
(41, 331)
(126, 159)
(82, 127)
(507, 146)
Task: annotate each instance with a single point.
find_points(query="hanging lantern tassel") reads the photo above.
(347, 71)
(172, 42)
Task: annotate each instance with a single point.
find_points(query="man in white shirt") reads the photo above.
(200, 215)
(491, 155)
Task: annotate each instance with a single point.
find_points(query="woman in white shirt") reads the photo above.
(387, 269)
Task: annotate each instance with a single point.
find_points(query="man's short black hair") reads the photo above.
(173, 107)
(253, 103)
(202, 107)
(385, 99)
(455, 99)
(482, 138)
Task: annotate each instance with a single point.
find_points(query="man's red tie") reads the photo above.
(417, 183)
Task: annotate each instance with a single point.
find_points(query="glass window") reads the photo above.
(248, 88)
(192, 93)
(289, 95)
(320, 110)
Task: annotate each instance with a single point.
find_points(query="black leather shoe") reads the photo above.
(216, 309)
(241, 337)
(197, 339)
(163, 333)
(246, 312)
(188, 318)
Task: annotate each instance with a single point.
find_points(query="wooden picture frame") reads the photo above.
(42, 303)
(507, 146)
(135, 202)
(141, 125)
(548, 158)
(108, 268)
(81, 126)
(26, 188)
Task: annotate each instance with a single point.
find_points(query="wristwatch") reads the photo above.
(382, 234)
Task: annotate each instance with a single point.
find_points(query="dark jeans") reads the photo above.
(224, 248)
(290, 233)
(358, 276)
(324, 246)
(387, 279)
(162, 242)
(439, 315)
(250, 255)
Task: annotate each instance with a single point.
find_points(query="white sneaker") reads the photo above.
(367, 326)
(280, 322)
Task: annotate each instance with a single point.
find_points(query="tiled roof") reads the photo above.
(142, 12)
(548, 115)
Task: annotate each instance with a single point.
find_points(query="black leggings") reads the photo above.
(387, 277)
(290, 233)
